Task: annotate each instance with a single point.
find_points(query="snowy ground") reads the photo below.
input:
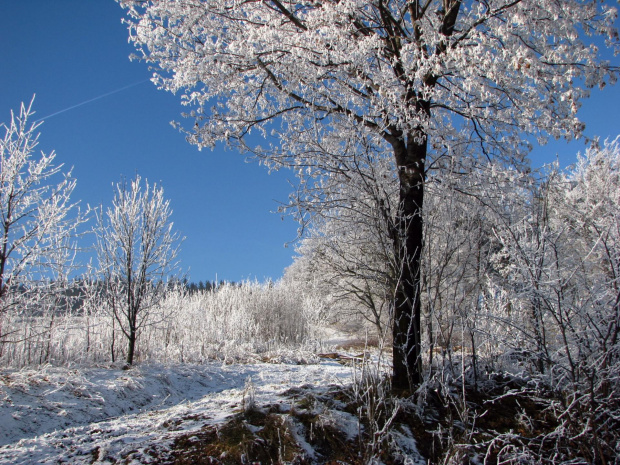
(60, 415)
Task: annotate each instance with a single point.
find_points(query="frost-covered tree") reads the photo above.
(38, 220)
(348, 245)
(137, 249)
(417, 80)
(554, 294)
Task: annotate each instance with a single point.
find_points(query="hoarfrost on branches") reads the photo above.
(38, 222)
(452, 71)
(137, 249)
(415, 81)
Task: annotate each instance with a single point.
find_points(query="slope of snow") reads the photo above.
(98, 415)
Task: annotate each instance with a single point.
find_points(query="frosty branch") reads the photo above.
(38, 220)
(137, 250)
(419, 80)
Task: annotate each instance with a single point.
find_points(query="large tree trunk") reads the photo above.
(132, 346)
(410, 152)
(410, 155)
(132, 336)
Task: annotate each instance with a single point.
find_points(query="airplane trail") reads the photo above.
(99, 97)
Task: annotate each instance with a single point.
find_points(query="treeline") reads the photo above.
(232, 322)
(202, 286)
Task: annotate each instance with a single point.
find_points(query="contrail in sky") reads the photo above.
(92, 100)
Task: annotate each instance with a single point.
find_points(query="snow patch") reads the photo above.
(98, 415)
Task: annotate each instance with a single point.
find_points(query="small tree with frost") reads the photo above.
(37, 219)
(137, 250)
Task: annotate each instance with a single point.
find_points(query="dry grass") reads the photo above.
(504, 421)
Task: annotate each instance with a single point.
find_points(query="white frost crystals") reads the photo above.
(418, 83)
(137, 250)
(502, 68)
(38, 221)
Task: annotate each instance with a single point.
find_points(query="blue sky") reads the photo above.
(71, 51)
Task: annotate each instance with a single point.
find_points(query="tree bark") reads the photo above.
(410, 156)
(410, 151)
(132, 346)
(132, 336)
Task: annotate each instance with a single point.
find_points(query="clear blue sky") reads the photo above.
(71, 51)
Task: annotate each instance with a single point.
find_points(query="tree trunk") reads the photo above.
(410, 151)
(410, 155)
(132, 346)
(113, 339)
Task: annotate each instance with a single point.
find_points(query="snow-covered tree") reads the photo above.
(38, 220)
(416, 80)
(555, 294)
(137, 249)
(348, 245)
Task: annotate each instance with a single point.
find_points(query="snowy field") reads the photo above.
(97, 415)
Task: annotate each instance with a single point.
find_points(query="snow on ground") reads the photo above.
(97, 415)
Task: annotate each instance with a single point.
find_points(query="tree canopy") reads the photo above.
(413, 81)
(455, 71)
